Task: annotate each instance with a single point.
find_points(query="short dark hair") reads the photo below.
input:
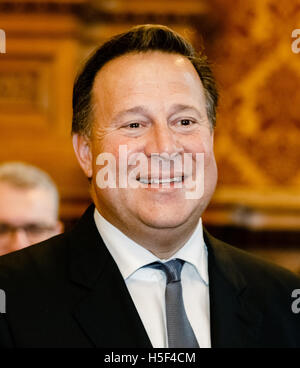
(142, 38)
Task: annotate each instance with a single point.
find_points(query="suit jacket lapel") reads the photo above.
(106, 313)
(235, 319)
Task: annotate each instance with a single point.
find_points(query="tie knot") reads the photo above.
(172, 269)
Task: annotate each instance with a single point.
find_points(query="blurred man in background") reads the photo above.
(29, 204)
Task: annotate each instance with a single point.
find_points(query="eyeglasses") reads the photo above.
(32, 230)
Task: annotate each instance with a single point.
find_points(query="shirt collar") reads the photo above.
(130, 256)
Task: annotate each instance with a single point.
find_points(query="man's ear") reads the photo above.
(83, 153)
(59, 227)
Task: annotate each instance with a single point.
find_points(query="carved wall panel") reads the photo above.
(258, 135)
(36, 78)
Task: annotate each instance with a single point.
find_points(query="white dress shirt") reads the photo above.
(147, 285)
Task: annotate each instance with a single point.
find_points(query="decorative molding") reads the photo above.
(127, 12)
(19, 87)
(251, 218)
(193, 12)
(38, 6)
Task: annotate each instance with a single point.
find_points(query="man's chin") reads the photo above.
(165, 220)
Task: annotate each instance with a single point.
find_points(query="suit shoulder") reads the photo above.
(30, 261)
(254, 269)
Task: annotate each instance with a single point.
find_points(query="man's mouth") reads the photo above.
(177, 179)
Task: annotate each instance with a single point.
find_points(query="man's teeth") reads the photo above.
(160, 181)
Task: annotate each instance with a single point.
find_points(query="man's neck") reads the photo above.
(162, 242)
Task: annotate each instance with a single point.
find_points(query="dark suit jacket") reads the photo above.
(68, 292)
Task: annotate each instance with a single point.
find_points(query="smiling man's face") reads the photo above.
(153, 103)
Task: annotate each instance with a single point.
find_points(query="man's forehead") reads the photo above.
(146, 74)
(25, 202)
(147, 81)
(125, 66)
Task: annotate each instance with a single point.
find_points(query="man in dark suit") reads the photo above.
(139, 270)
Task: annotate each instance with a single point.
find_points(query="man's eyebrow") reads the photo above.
(182, 107)
(142, 110)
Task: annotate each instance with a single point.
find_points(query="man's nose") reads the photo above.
(163, 140)
(19, 240)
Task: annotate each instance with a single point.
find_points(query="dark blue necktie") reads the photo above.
(180, 332)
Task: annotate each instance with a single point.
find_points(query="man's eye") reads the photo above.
(186, 122)
(134, 125)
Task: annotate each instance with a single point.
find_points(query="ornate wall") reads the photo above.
(36, 77)
(257, 202)
(257, 139)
